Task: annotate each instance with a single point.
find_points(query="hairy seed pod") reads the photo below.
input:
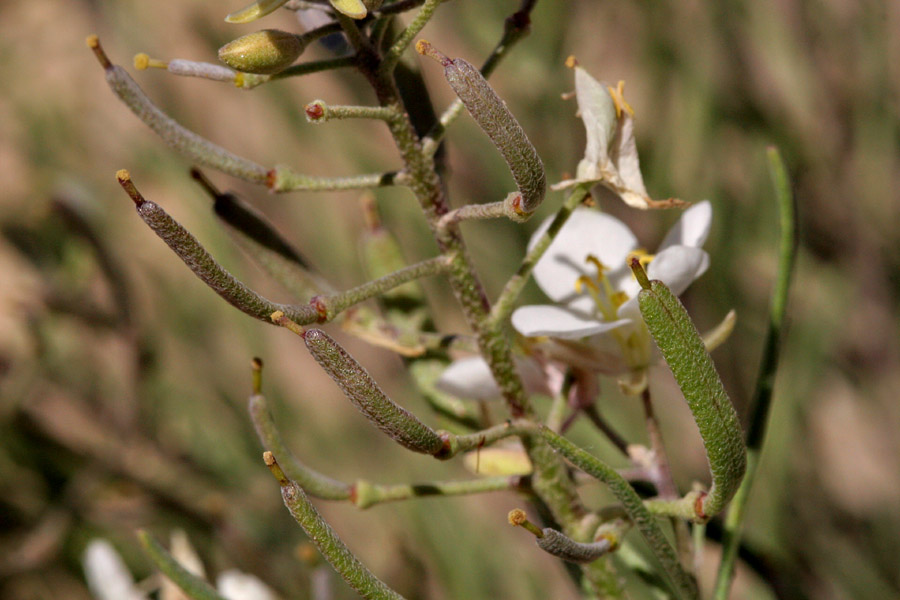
(356, 383)
(204, 265)
(495, 119)
(684, 351)
(263, 52)
(175, 135)
(558, 544)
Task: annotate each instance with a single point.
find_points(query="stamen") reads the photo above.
(644, 257)
(593, 260)
(618, 96)
(143, 61)
(585, 281)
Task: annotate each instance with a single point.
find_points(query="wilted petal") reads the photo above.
(599, 115)
(625, 159)
(107, 576)
(587, 232)
(554, 321)
(691, 229)
(678, 267)
(235, 585)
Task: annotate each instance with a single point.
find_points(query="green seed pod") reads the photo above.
(684, 351)
(263, 52)
(558, 544)
(175, 135)
(356, 383)
(205, 266)
(495, 119)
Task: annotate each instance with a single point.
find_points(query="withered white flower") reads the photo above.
(610, 156)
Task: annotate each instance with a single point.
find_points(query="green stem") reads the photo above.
(318, 111)
(315, 483)
(454, 444)
(190, 584)
(633, 505)
(765, 382)
(326, 540)
(284, 179)
(507, 299)
(366, 494)
(392, 56)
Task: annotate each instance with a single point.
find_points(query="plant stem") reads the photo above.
(190, 584)
(507, 299)
(765, 382)
(366, 494)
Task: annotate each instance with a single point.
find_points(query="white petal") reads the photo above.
(599, 115)
(625, 158)
(586, 232)
(235, 585)
(469, 378)
(691, 229)
(678, 267)
(107, 576)
(555, 321)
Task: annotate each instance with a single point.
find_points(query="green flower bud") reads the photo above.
(263, 52)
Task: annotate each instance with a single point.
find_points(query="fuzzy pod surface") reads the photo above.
(496, 120)
(201, 262)
(264, 52)
(684, 352)
(559, 545)
(362, 390)
(175, 135)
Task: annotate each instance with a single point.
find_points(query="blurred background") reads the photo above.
(123, 379)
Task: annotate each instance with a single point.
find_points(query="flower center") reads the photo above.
(607, 298)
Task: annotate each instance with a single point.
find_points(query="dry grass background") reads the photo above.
(104, 429)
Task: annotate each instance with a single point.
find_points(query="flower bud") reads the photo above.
(263, 52)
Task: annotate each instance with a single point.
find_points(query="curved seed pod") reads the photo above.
(175, 135)
(204, 265)
(356, 383)
(493, 116)
(320, 533)
(263, 52)
(684, 351)
(558, 544)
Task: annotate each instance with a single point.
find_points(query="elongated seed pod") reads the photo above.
(205, 266)
(495, 119)
(684, 351)
(558, 544)
(356, 383)
(175, 135)
(320, 533)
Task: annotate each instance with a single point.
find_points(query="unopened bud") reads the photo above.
(264, 52)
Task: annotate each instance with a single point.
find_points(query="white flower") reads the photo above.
(585, 272)
(236, 585)
(610, 157)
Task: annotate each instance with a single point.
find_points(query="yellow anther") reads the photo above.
(593, 260)
(143, 61)
(585, 282)
(618, 96)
